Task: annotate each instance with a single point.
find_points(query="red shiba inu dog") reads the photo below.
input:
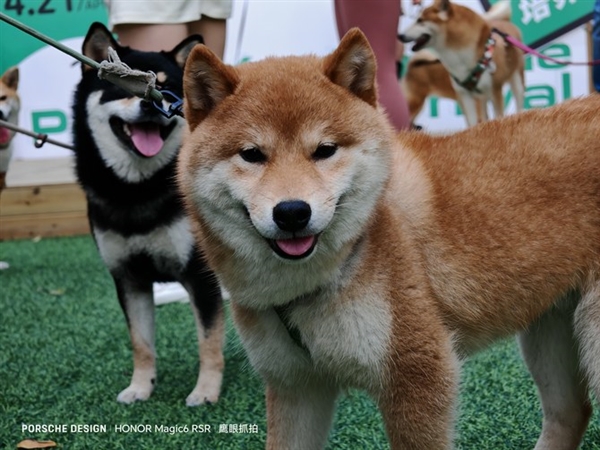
(356, 257)
(474, 52)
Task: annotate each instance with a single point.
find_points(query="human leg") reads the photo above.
(378, 19)
(151, 37)
(212, 31)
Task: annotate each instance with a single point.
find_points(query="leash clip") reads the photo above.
(40, 140)
(174, 108)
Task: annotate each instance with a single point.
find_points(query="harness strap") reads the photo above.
(485, 63)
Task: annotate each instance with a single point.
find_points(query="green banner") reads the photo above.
(58, 19)
(542, 21)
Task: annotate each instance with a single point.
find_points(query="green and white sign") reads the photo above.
(47, 75)
(542, 21)
(58, 19)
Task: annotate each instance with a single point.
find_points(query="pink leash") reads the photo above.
(527, 49)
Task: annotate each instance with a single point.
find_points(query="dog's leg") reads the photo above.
(422, 421)
(138, 306)
(587, 330)
(207, 306)
(518, 89)
(415, 97)
(498, 102)
(415, 106)
(300, 418)
(5, 157)
(469, 107)
(482, 113)
(418, 401)
(551, 354)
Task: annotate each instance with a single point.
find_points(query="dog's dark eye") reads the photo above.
(253, 155)
(4, 97)
(325, 150)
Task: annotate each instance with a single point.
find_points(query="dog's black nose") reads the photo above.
(292, 215)
(146, 106)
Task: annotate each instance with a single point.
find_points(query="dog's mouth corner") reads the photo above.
(295, 248)
(421, 42)
(145, 138)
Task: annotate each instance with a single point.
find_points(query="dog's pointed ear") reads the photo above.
(181, 52)
(352, 65)
(11, 77)
(444, 8)
(207, 81)
(96, 43)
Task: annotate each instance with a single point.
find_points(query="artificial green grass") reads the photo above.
(65, 355)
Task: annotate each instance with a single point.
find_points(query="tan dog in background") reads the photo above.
(9, 112)
(358, 258)
(426, 75)
(477, 57)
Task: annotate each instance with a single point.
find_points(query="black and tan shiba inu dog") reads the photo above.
(125, 153)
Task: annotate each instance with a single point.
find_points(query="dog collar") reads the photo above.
(484, 63)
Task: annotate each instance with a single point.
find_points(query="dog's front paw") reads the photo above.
(134, 393)
(203, 395)
(207, 388)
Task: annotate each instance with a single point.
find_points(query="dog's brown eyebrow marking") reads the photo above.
(161, 77)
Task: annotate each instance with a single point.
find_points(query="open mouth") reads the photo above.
(294, 248)
(421, 42)
(143, 138)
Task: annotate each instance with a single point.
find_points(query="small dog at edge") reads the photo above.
(10, 105)
(357, 257)
(476, 56)
(125, 159)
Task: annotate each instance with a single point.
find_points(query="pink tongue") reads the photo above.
(146, 138)
(4, 135)
(297, 246)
